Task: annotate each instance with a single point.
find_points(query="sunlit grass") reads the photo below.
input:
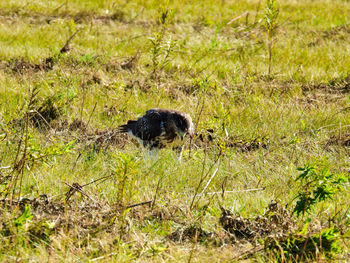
(215, 72)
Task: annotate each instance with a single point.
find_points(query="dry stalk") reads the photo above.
(210, 179)
(238, 17)
(18, 166)
(193, 246)
(57, 8)
(196, 125)
(75, 187)
(66, 46)
(139, 204)
(223, 188)
(203, 177)
(102, 179)
(82, 104)
(24, 154)
(91, 114)
(257, 12)
(156, 193)
(200, 222)
(103, 257)
(237, 191)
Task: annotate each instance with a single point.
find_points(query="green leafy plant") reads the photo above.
(317, 184)
(23, 218)
(127, 165)
(28, 151)
(201, 85)
(270, 25)
(156, 48)
(160, 49)
(37, 153)
(24, 230)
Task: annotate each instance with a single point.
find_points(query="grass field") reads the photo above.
(73, 189)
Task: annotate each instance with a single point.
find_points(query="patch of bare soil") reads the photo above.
(164, 213)
(49, 217)
(334, 33)
(276, 221)
(339, 85)
(317, 94)
(96, 138)
(248, 145)
(110, 136)
(188, 89)
(81, 132)
(20, 65)
(209, 138)
(318, 99)
(127, 64)
(337, 31)
(39, 205)
(79, 17)
(192, 233)
(85, 218)
(339, 140)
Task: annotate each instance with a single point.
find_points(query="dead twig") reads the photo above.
(196, 125)
(156, 193)
(104, 178)
(66, 48)
(57, 8)
(50, 61)
(248, 253)
(203, 177)
(103, 257)
(210, 179)
(139, 204)
(236, 191)
(193, 246)
(257, 12)
(238, 17)
(3, 139)
(223, 188)
(91, 114)
(75, 187)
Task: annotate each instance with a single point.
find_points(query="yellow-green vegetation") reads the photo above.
(266, 177)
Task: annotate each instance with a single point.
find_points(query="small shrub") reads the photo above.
(161, 49)
(317, 184)
(270, 18)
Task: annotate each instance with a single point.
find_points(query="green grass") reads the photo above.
(264, 126)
